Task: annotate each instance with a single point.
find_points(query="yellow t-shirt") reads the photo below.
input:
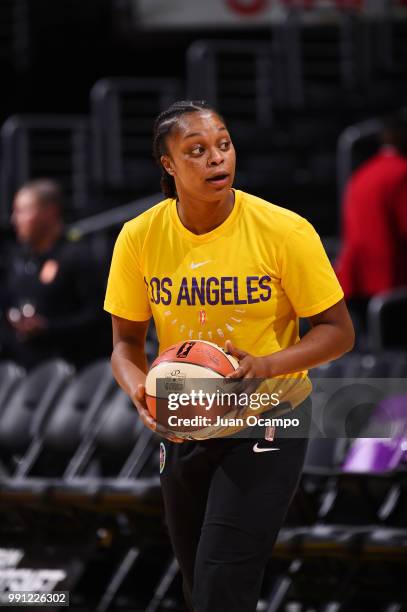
(248, 280)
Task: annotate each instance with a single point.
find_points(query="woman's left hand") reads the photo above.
(249, 366)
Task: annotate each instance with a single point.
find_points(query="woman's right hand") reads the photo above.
(139, 400)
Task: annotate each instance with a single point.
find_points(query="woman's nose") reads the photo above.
(215, 157)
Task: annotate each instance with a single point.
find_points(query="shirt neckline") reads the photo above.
(215, 233)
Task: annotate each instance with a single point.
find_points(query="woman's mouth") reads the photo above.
(220, 179)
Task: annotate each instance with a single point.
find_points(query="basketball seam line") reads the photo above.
(192, 363)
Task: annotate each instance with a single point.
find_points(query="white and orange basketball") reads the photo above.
(180, 369)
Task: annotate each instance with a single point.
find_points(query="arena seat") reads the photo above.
(346, 366)
(122, 114)
(385, 364)
(10, 375)
(356, 574)
(135, 496)
(75, 413)
(356, 144)
(93, 453)
(388, 60)
(385, 319)
(366, 471)
(116, 464)
(344, 407)
(385, 542)
(355, 498)
(105, 450)
(335, 541)
(157, 589)
(324, 455)
(27, 410)
(218, 70)
(170, 573)
(56, 146)
(329, 503)
(317, 485)
(393, 509)
(346, 541)
(326, 64)
(303, 65)
(347, 508)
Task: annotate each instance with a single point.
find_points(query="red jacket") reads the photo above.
(374, 235)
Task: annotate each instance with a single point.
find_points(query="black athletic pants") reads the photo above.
(225, 504)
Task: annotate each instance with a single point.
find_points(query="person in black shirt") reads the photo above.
(52, 288)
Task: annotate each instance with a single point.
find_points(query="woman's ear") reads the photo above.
(167, 164)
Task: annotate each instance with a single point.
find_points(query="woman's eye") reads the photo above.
(224, 146)
(197, 150)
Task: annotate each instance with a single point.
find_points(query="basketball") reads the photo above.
(196, 369)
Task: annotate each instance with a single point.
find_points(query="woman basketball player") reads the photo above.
(259, 268)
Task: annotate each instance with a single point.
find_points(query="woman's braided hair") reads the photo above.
(163, 126)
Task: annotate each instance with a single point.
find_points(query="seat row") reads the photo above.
(80, 472)
(56, 422)
(272, 88)
(70, 434)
